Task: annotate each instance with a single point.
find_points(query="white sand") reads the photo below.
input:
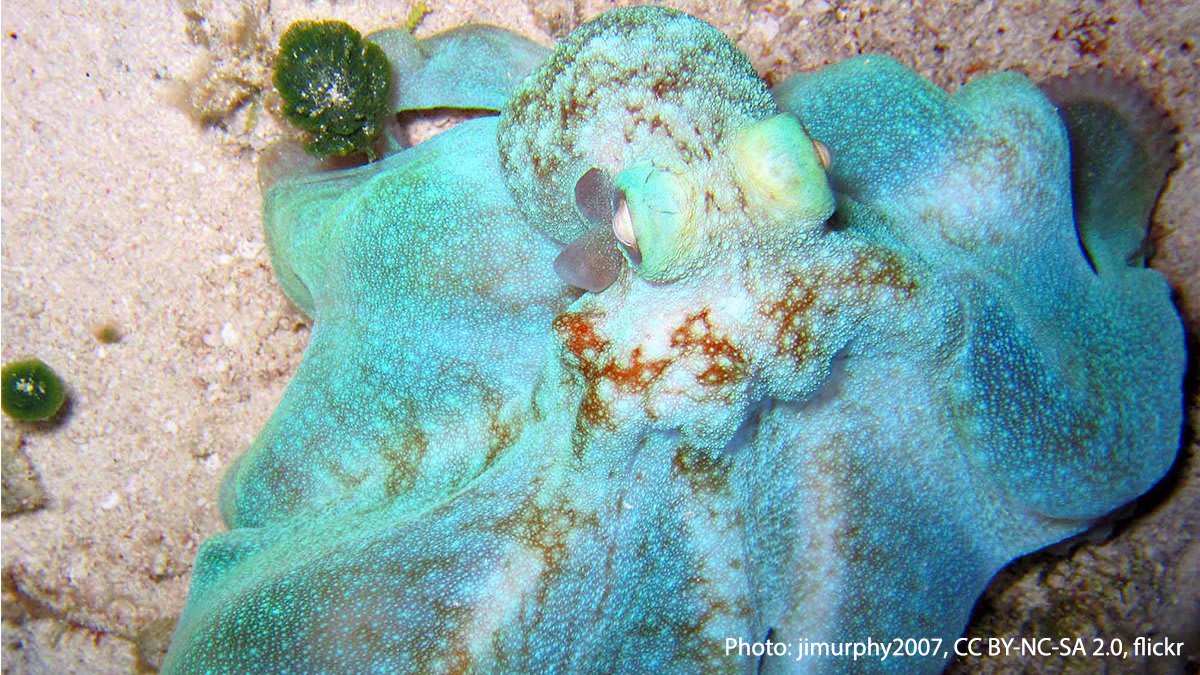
(118, 208)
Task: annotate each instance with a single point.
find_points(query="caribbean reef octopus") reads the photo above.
(659, 360)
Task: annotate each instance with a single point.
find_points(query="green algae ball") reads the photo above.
(334, 85)
(32, 392)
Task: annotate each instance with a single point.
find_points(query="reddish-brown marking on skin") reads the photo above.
(665, 84)
(704, 471)
(315, 447)
(502, 433)
(501, 436)
(581, 340)
(794, 335)
(544, 165)
(405, 460)
(726, 364)
(545, 528)
(824, 292)
(347, 479)
(573, 109)
(688, 153)
(693, 639)
(286, 488)
(579, 335)
(636, 377)
(456, 657)
(329, 627)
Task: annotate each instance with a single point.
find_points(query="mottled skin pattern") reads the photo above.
(781, 420)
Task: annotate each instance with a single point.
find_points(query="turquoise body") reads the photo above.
(828, 413)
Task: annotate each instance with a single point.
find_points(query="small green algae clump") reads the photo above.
(32, 392)
(334, 85)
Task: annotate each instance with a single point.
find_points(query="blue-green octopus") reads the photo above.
(660, 360)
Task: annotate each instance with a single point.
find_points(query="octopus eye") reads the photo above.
(644, 215)
(653, 221)
(782, 173)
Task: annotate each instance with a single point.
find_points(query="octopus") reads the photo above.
(655, 368)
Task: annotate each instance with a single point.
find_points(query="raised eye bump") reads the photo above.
(781, 170)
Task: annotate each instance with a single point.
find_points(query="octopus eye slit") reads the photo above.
(622, 225)
(594, 198)
(823, 154)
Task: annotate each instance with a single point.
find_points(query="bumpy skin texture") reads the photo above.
(809, 426)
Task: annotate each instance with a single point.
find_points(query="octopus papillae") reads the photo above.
(660, 358)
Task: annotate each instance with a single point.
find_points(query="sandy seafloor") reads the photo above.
(120, 209)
